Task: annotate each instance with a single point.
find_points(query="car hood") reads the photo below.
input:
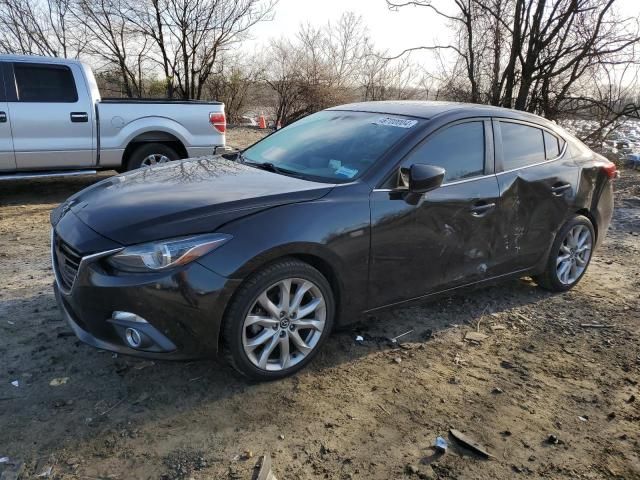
(184, 198)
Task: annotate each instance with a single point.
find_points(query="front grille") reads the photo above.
(67, 262)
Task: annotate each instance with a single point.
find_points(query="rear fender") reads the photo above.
(146, 127)
(595, 198)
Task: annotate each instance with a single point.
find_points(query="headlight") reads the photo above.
(164, 254)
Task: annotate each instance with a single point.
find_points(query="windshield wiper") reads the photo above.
(270, 167)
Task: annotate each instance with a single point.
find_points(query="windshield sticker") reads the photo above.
(395, 122)
(335, 164)
(347, 172)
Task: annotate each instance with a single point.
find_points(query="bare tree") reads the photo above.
(332, 64)
(319, 68)
(233, 82)
(189, 36)
(32, 27)
(114, 41)
(531, 54)
(396, 79)
(610, 98)
(285, 79)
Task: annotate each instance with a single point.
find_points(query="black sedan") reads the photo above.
(357, 208)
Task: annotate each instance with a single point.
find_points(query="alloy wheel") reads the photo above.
(154, 159)
(573, 256)
(284, 324)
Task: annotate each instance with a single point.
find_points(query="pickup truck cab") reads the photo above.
(54, 122)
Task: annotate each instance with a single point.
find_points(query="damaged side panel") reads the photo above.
(438, 244)
(533, 206)
(595, 191)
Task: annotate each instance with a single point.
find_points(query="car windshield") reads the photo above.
(330, 146)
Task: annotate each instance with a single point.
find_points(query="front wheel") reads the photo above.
(570, 255)
(278, 320)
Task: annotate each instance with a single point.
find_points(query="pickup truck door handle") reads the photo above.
(3, 117)
(559, 189)
(481, 208)
(79, 117)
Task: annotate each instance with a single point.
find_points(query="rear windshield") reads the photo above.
(331, 146)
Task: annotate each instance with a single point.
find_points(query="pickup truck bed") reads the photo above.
(165, 121)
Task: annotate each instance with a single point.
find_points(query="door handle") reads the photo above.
(3, 117)
(79, 117)
(481, 208)
(559, 189)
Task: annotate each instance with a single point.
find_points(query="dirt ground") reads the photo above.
(547, 397)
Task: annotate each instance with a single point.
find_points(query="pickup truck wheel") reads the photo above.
(149, 154)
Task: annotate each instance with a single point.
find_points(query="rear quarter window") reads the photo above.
(44, 83)
(522, 145)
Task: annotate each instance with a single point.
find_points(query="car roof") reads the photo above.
(36, 58)
(430, 109)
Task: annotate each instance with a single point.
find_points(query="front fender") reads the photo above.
(334, 230)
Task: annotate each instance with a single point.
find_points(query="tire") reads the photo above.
(557, 277)
(141, 155)
(251, 330)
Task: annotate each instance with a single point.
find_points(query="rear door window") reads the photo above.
(522, 145)
(551, 145)
(459, 149)
(44, 83)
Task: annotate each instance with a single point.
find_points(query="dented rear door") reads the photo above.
(537, 192)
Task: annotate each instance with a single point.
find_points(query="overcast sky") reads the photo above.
(408, 27)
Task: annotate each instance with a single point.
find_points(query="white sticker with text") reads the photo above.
(395, 122)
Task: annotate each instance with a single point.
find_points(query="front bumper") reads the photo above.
(183, 308)
(94, 341)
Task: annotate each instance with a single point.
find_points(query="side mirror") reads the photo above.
(424, 178)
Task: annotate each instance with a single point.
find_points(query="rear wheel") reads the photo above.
(149, 154)
(570, 255)
(278, 320)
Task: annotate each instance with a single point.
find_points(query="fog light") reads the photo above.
(137, 333)
(133, 337)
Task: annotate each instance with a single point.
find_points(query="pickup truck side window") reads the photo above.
(3, 95)
(44, 83)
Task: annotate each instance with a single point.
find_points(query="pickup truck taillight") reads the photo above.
(218, 121)
(611, 170)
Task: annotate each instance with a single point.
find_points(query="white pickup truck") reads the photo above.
(53, 122)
